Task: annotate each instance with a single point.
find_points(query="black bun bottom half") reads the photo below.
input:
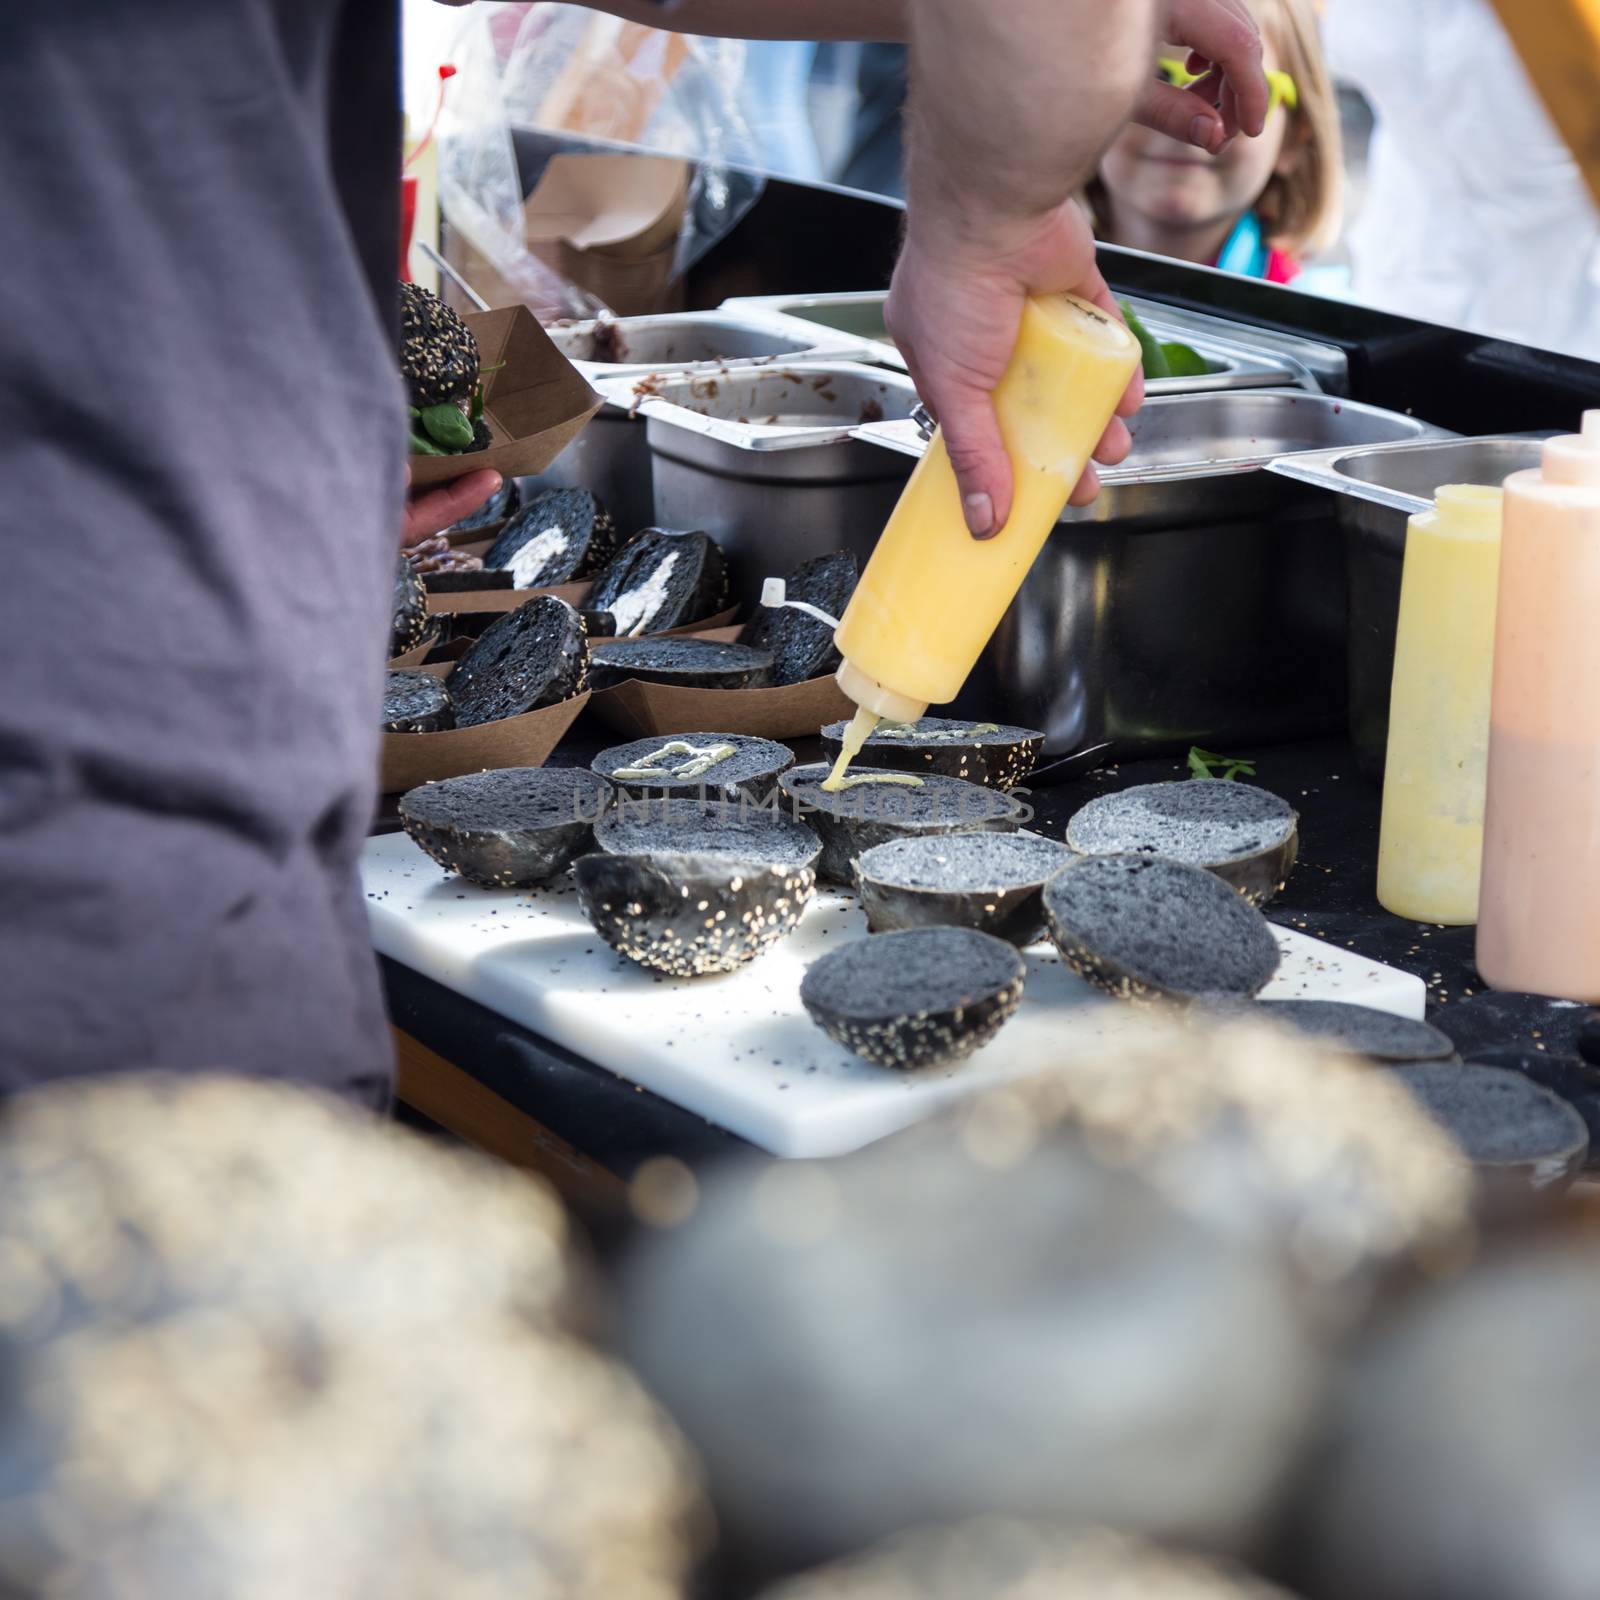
(993, 882)
(750, 768)
(1246, 836)
(692, 916)
(1361, 1030)
(679, 663)
(916, 998)
(416, 702)
(853, 821)
(1520, 1136)
(1143, 928)
(560, 535)
(659, 824)
(508, 829)
(987, 753)
(408, 613)
(532, 657)
(802, 646)
(662, 580)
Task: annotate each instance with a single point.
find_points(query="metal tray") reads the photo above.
(1182, 438)
(1377, 491)
(618, 347)
(792, 405)
(1234, 363)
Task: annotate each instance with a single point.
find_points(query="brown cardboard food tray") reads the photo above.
(409, 759)
(504, 599)
(535, 403)
(651, 710)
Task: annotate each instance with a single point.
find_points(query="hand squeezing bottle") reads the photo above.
(932, 595)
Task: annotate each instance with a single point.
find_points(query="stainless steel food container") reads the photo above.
(619, 347)
(1376, 493)
(611, 457)
(1199, 600)
(1238, 358)
(766, 461)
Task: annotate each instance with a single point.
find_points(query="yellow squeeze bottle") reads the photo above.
(932, 595)
(1430, 846)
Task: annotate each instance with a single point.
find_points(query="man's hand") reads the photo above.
(1230, 97)
(955, 312)
(430, 511)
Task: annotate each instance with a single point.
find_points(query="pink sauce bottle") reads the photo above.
(1539, 913)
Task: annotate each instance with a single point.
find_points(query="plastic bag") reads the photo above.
(537, 81)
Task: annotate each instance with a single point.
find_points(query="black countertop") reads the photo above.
(1330, 896)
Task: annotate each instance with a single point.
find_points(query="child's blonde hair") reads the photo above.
(1301, 208)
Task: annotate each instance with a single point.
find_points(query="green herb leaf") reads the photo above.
(446, 425)
(423, 446)
(1208, 764)
(1155, 358)
(1184, 361)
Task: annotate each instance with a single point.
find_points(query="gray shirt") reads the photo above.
(201, 469)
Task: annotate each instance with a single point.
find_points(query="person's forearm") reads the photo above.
(878, 20)
(1013, 102)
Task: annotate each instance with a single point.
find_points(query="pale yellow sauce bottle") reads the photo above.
(932, 595)
(1430, 847)
(1539, 918)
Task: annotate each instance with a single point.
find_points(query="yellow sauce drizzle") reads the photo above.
(856, 735)
(904, 780)
(699, 761)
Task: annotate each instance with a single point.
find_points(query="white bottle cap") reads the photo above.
(1574, 458)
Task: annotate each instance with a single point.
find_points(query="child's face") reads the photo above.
(1174, 185)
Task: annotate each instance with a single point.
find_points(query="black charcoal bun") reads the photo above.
(662, 825)
(1246, 836)
(507, 829)
(1144, 928)
(917, 998)
(691, 916)
(802, 647)
(505, 502)
(1361, 1030)
(751, 769)
(1517, 1133)
(408, 612)
(855, 820)
(679, 663)
(993, 882)
(996, 756)
(438, 355)
(561, 535)
(532, 657)
(662, 580)
(416, 702)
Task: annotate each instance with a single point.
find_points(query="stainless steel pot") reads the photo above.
(1377, 492)
(764, 459)
(1199, 599)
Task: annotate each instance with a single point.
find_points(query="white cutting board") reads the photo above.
(739, 1050)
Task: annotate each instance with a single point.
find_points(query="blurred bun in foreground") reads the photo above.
(253, 1346)
(1463, 1457)
(1003, 1559)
